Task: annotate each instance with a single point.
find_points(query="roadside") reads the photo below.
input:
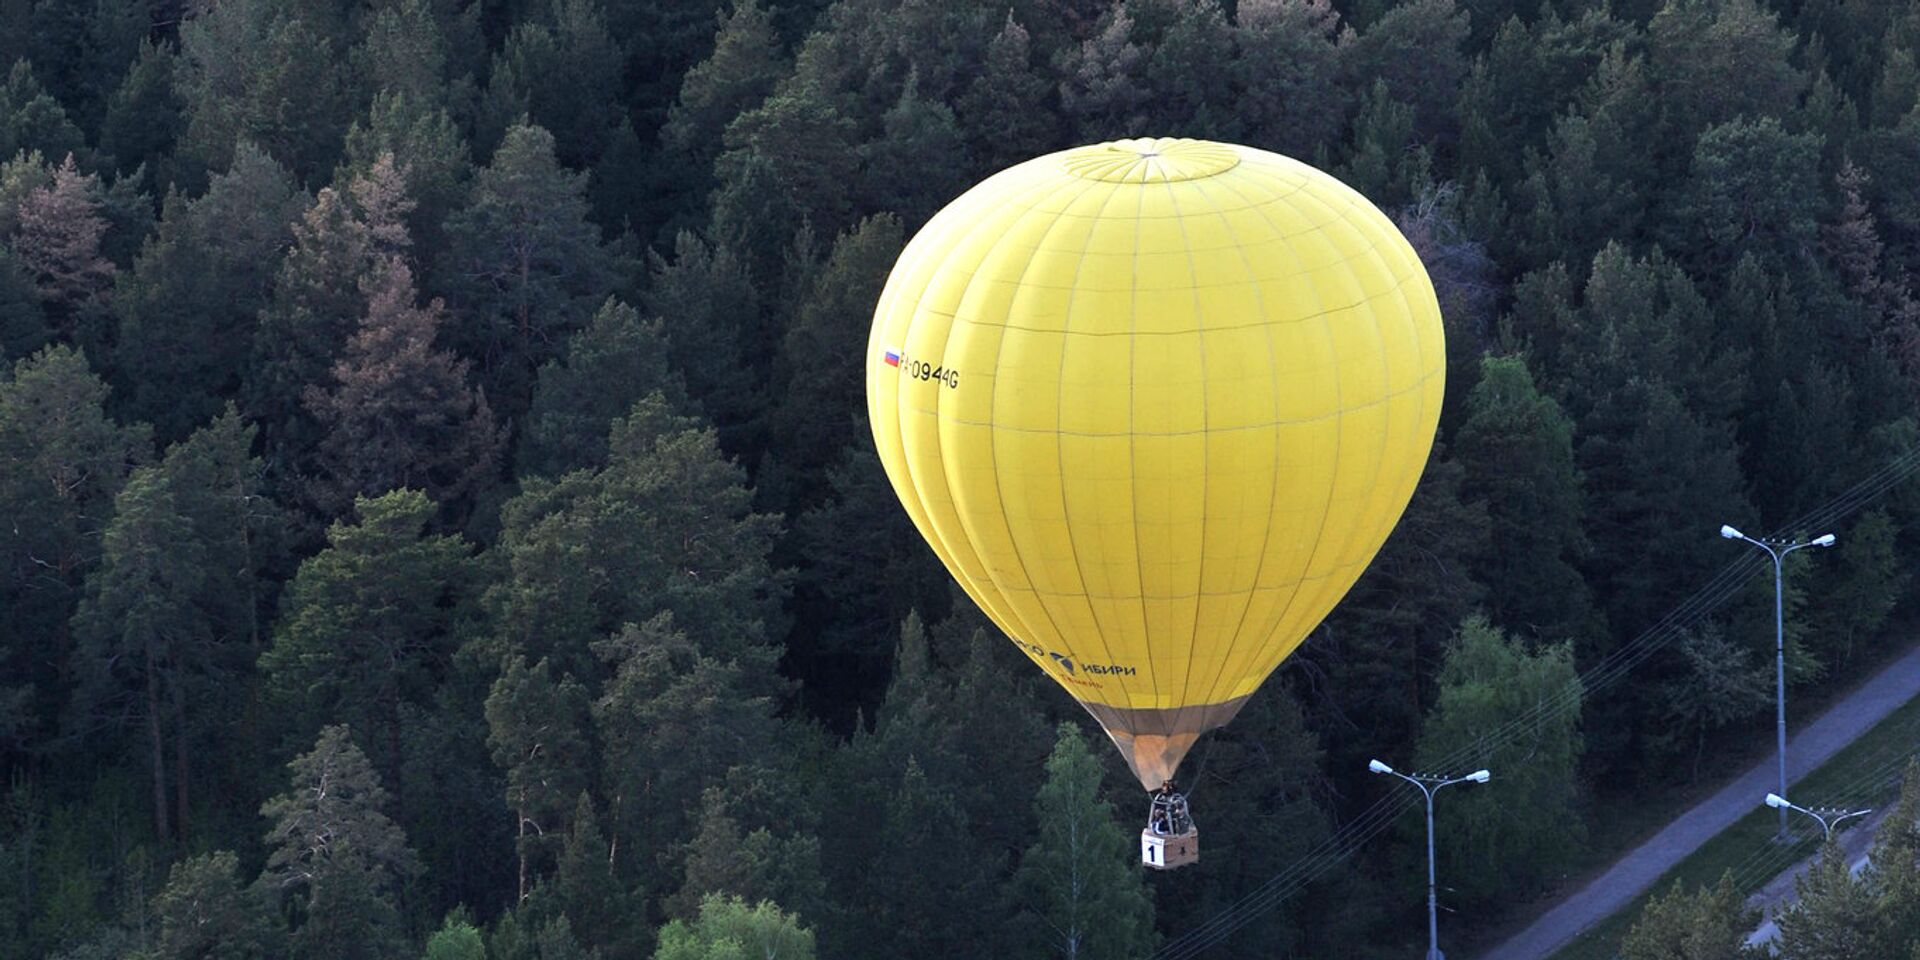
(1633, 874)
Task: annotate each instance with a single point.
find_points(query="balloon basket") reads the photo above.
(1168, 852)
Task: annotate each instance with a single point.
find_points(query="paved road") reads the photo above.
(1893, 686)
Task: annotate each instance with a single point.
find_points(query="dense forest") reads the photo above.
(437, 515)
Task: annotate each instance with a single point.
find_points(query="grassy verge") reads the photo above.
(1866, 772)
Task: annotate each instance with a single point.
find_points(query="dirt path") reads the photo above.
(1845, 720)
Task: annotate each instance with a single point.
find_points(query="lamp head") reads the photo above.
(1727, 530)
(1826, 541)
(1776, 801)
(1479, 776)
(1378, 767)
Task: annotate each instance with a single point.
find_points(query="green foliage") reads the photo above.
(1517, 448)
(1674, 245)
(369, 623)
(1722, 684)
(62, 463)
(32, 120)
(1709, 924)
(205, 913)
(1081, 892)
(456, 940)
(143, 116)
(1520, 829)
(617, 361)
(1833, 913)
(258, 71)
(727, 929)
(189, 307)
(526, 262)
(536, 730)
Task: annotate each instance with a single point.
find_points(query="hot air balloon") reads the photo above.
(1156, 403)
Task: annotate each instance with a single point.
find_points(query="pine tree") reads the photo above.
(332, 848)
(1008, 113)
(62, 462)
(368, 624)
(1893, 870)
(563, 72)
(1083, 894)
(1832, 917)
(23, 324)
(1517, 448)
(1709, 924)
(189, 307)
(427, 148)
(667, 525)
(537, 733)
(400, 413)
(56, 239)
(674, 719)
(528, 264)
(715, 327)
(457, 939)
(204, 913)
(824, 349)
(307, 322)
(143, 116)
(259, 71)
(31, 119)
(1288, 57)
(739, 74)
(617, 361)
(140, 630)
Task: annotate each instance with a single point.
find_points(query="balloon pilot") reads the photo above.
(1170, 839)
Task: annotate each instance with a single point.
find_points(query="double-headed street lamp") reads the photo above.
(1430, 784)
(1829, 817)
(1778, 550)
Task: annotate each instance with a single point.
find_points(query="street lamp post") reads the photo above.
(1429, 785)
(1778, 550)
(1829, 817)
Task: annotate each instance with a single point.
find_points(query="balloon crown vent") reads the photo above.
(1150, 160)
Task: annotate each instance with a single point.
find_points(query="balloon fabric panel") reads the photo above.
(1156, 404)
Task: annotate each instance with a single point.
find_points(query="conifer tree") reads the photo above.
(259, 71)
(62, 462)
(739, 74)
(1517, 448)
(400, 412)
(189, 307)
(205, 913)
(527, 263)
(616, 362)
(31, 119)
(1710, 923)
(332, 849)
(536, 730)
(143, 116)
(715, 327)
(139, 626)
(1082, 892)
(1833, 914)
(368, 624)
(57, 236)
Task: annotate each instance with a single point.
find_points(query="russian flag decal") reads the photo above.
(893, 357)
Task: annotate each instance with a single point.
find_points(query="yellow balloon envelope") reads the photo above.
(1156, 403)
